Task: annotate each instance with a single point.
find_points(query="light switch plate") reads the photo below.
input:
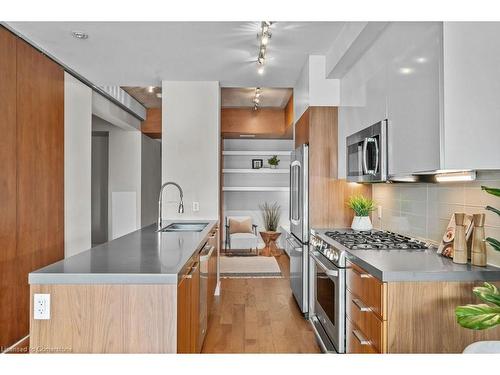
(196, 206)
(41, 306)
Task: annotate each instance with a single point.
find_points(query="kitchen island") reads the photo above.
(139, 293)
(403, 301)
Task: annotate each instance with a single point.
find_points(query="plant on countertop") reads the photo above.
(483, 316)
(271, 214)
(361, 205)
(274, 161)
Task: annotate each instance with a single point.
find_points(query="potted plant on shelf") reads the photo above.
(484, 315)
(273, 162)
(362, 207)
(271, 214)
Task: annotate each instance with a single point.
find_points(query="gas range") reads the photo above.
(334, 244)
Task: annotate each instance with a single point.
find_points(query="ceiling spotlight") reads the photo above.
(151, 89)
(260, 70)
(261, 60)
(158, 95)
(265, 39)
(406, 70)
(79, 35)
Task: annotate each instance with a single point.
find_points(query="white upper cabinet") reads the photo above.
(471, 88)
(439, 87)
(413, 98)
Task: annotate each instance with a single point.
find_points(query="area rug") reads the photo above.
(251, 267)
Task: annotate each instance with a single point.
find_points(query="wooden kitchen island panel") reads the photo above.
(421, 317)
(107, 319)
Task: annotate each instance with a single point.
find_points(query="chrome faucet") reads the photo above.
(160, 200)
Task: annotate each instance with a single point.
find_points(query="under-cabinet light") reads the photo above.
(456, 176)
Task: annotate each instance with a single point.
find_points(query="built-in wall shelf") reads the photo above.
(256, 153)
(256, 188)
(260, 170)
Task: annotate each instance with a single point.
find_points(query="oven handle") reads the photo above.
(328, 271)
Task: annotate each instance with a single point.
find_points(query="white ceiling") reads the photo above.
(243, 97)
(144, 53)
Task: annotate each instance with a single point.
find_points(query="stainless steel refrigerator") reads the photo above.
(298, 241)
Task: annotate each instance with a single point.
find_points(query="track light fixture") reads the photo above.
(256, 98)
(264, 35)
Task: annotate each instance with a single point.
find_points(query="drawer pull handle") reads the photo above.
(360, 305)
(360, 338)
(362, 275)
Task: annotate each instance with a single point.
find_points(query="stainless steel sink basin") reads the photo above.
(184, 227)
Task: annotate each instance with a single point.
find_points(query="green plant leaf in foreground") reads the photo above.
(492, 191)
(488, 293)
(494, 243)
(478, 316)
(493, 209)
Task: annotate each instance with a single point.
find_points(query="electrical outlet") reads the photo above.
(196, 206)
(41, 306)
(379, 212)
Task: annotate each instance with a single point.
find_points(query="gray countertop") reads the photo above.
(141, 257)
(413, 265)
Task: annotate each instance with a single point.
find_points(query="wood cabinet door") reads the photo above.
(184, 316)
(195, 308)
(212, 279)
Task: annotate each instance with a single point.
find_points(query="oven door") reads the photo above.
(329, 299)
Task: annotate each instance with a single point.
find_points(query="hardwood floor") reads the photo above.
(258, 316)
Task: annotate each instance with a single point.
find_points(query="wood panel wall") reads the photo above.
(10, 330)
(32, 188)
(152, 125)
(263, 123)
(328, 195)
(107, 319)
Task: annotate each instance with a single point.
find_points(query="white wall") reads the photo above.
(313, 88)
(150, 179)
(124, 202)
(190, 147)
(77, 165)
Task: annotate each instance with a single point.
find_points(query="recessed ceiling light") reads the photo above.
(260, 70)
(79, 35)
(421, 60)
(158, 95)
(406, 70)
(151, 89)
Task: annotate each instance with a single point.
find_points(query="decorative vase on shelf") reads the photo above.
(362, 223)
(272, 166)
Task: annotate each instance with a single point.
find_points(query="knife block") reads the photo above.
(478, 254)
(460, 242)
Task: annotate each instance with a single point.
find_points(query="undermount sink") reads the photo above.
(184, 227)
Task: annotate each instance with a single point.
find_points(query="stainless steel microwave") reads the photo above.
(367, 154)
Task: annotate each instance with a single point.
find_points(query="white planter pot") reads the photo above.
(362, 223)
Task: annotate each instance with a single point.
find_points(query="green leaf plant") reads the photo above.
(481, 316)
(361, 205)
(485, 315)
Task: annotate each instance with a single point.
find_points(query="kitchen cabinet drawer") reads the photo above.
(356, 342)
(367, 288)
(371, 326)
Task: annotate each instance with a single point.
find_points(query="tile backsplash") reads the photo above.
(424, 210)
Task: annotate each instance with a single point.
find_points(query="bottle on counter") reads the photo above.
(460, 242)
(478, 255)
